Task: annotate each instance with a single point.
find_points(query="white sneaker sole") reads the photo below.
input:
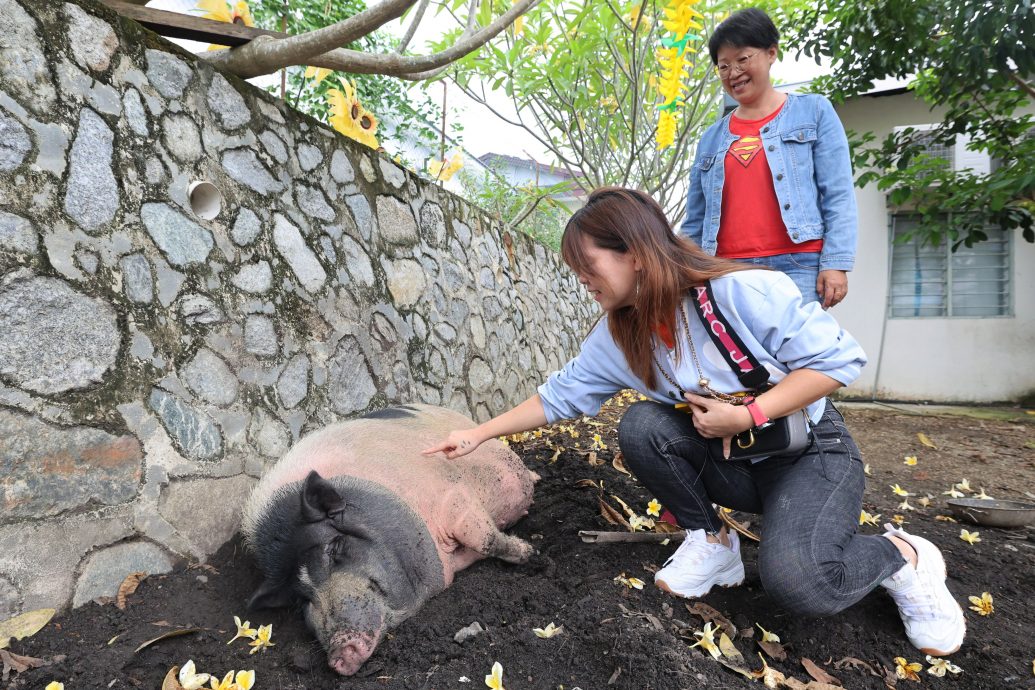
(731, 577)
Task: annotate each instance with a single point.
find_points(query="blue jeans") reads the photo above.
(811, 559)
(802, 268)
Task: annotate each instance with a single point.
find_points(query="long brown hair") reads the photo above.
(626, 220)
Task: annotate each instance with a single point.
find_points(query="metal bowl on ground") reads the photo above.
(993, 513)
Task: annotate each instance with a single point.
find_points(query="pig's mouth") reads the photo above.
(349, 650)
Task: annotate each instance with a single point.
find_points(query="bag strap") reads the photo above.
(752, 375)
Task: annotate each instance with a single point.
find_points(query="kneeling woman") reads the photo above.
(812, 560)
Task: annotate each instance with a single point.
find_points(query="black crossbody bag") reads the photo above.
(788, 435)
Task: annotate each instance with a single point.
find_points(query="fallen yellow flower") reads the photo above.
(906, 670)
(866, 469)
(983, 604)
(944, 518)
(867, 519)
(495, 679)
(245, 680)
(654, 508)
(898, 519)
(899, 491)
(904, 505)
(262, 639)
(983, 496)
(963, 486)
(54, 685)
(189, 678)
(910, 460)
(243, 630)
(970, 537)
(924, 501)
(940, 666)
(953, 493)
(706, 640)
(549, 631)
(768, 636)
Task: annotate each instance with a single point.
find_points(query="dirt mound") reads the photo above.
(614, 635)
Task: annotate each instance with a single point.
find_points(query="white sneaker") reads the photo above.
(697, 565)
(933, 618)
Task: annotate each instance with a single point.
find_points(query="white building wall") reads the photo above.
(937, 359)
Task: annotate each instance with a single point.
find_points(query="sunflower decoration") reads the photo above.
(443, 170)
(349, 117)
(225, 11)
(680, 18)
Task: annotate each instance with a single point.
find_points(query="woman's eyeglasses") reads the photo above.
(739, 65)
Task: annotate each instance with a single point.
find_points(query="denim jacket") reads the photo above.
(808, 157)
(763, 307)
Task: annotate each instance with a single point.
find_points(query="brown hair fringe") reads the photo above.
(627, 220)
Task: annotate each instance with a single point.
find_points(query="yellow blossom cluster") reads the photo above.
(680, 18)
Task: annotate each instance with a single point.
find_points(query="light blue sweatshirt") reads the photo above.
(763, 307)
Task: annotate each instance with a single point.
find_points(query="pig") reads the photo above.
(362, 529)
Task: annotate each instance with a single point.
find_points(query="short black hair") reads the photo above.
(747, 28)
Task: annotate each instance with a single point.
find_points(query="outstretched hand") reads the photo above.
(717, 419)
(460, 442)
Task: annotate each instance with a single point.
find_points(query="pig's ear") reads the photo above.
(320, 499)
(269, 595)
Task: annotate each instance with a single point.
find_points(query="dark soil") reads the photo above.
(612, 635)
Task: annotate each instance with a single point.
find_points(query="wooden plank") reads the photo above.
(174, 25)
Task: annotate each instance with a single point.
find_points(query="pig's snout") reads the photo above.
(348, 652)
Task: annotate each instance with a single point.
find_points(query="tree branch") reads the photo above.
(417, 17)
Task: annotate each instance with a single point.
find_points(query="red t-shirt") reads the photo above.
(750, 224)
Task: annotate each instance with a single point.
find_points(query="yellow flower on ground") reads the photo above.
(54, 685)
(654, 508)
(495, 679)
(549, 631)
(638, 522)
(899, 491)
(983, 604)
(953, 493)
(243, 630)
(867, 519)
(262, 639)
(768, 636)
(924, 501)
(630, 582)
(317, 73)
(226, 684)
(944, 518)
(189, 678)
(906, 670)
(599, 442)
(940, 666)
(970, 537)
(706, 640)
(983, 496)
(910, 460)
(898, 519)
(963, 486)
(904, 505)
(245, 680)
(866, 469)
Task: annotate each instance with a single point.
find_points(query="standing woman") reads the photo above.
(772, 181)
(812, 560)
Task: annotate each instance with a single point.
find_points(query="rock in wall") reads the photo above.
(156, 355)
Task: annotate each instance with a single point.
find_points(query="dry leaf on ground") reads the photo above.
(925, 440)
(818, 673)
(773, 649)
(171, 682)
(612, 515)
(166, 636)
(858, 664)
(710, 615)
(128, 586)
(17, 663)
(619, 464)
(24, 625)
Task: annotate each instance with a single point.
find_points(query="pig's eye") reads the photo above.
(337, 549)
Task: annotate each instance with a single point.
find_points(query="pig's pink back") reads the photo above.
(388, 451)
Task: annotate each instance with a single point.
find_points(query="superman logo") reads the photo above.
(745, 149)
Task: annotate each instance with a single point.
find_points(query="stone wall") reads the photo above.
(154, 361)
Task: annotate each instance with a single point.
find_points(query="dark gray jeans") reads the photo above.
(811, 559)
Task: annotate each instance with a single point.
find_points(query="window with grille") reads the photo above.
(935, 149)
(934, 281)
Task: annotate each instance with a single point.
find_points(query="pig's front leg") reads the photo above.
(476, 530)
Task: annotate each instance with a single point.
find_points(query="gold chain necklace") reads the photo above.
(701, 380)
